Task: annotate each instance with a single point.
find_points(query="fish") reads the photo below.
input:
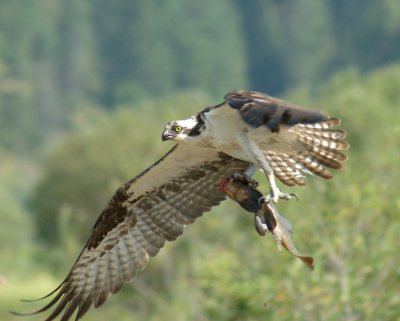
(281, 229)
(267, 218)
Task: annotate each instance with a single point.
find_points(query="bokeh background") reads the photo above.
(85, 90)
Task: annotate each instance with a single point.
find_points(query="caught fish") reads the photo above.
(281, 230)
(242, 189)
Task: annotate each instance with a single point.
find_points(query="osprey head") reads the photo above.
(179, 130)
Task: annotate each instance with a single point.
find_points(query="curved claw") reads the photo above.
(288, 196)
(245, 178)
(275, 197)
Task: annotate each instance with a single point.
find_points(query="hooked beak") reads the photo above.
(166, 135)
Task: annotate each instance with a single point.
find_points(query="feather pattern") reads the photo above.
(322, 145)
(285, 168)
(135, 225)
(155, 206)
(318, 142)
(259, 109)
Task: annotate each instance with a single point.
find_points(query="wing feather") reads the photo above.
(285, 168)
(146, 244)
(165, 218)
(155, 206)
(319, 150)
(318, 141)
(114, 268)
(142, 215)
(149, 234)
(102, 286)
(258, 109)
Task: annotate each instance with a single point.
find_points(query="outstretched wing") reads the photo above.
(318, 142)
(150, 209)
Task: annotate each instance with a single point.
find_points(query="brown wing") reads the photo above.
(144, 213)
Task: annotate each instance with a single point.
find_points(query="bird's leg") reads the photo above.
(275, 193)
(251, 148)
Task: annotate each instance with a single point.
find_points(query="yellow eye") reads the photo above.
(178, 129)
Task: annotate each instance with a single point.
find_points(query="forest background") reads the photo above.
(85, 90)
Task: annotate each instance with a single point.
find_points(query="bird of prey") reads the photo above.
(247, 130)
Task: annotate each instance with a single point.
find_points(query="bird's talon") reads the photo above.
(288, 196)
(252, 182)
(276, 196)
(262, 200)
(245, 178)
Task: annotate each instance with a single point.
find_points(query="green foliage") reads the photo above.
(221, 269)
(57, 55)
(302, 42)
(92, 83)
(153, 48)
(16, 228)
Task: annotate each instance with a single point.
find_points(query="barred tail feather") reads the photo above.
(331, 122)
(329, 133)
(322, 135)
(315, 167)
(329, 153)
(326, 161)
(286, 169)
(323, 144)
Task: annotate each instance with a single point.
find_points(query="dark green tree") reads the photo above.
(153, 48)
(367, 33)
(288, 43)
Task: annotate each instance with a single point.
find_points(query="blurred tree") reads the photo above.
(15, 63)
(16, 228)
(44, 68)
(77, 71)
(289, 43)
(57, 55)
(367, 32)
(208, 49)
(351, 227)
(152, 48)
(263, 36)
(307, 40)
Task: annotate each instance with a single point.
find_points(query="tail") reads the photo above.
(323, 144)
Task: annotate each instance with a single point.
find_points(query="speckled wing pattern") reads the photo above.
(150, 209)
(314, 130)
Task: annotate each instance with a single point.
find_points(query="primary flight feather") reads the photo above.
(247, 130)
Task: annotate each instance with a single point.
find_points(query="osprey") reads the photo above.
(249, 130)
